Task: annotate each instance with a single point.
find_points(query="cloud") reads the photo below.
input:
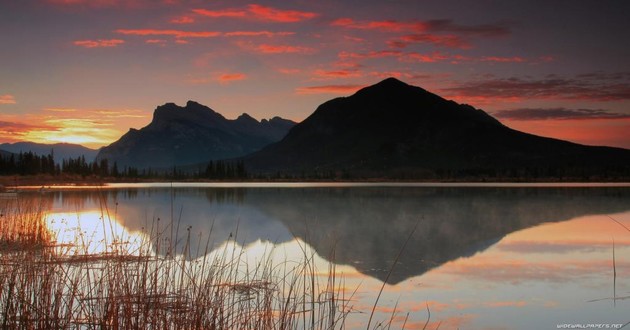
(516, 271)
(482, 30)
(174, 33)
(90, 127)
(432, 57)
(514, 59)
(425, 58)
(443, 33)
(372, 54)
(257, 34)
(278, 49)
(101, 43)
(276, 15)
(289, 71)
(183, 20)
(433, 26)
(16, 128)
(329, 89)
(259, 12)
(509, 303)
(155, 41)
(559, 247)
(449, 40)
(337, 73)
(557, 114)
(221, 13)
(593, 89)
(61, 109)
(229, 77)
(7, 99)
(180, 34)
(386, 25)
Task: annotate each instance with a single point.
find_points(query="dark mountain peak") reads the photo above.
(391, 82)
(245, 118)
(190, 134)
(390, 87)
(193, 112)
(194, 104)
(396, 129)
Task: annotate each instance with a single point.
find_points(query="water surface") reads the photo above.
(479, 256)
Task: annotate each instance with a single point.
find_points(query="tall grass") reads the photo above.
(128, 285)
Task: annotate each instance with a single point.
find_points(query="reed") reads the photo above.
(129, 285)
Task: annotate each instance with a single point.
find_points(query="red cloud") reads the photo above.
(289, 71)
(596, 88)
(259, 12)
(389, 26)
(558, 114)
(257, 34)
(433, 26)
(278, 49)
(221, 13)
(449, 40)
(229, 77)
(175, 33)
(99, 43)
(7, 99)
(443, 33)
(13, 129)
(183, 20)
(329, 89)
(277, 15)
(425, 58)
(372, 54)
(515, 59)
(156, 41)
(337, 74)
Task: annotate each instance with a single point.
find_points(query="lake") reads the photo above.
(476, 256)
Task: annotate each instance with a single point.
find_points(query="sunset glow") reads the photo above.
(273, 58)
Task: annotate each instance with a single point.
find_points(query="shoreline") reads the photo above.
(49, 181)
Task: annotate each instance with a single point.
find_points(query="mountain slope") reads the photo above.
(394, 129)
(192, 134)
(60, 150)
(5, 154)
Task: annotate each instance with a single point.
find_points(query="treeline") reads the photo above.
(32, 164)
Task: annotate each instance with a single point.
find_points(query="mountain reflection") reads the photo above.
(361, 226)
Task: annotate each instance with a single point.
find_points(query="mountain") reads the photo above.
(60, 150)
(192, 134)
(395, 130)
(5, 154)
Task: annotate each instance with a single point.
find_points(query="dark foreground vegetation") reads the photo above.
(127, 285)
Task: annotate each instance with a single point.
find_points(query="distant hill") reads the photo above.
(4, 153)
(192, 134)
(60, 150)
(395, 130)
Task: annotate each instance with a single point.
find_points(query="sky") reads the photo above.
(85, 71)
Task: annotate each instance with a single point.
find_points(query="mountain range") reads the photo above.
(390, 130)
(192, 134)
(395, 130)
(60, 151)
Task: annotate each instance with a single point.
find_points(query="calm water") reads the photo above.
(481, 257)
